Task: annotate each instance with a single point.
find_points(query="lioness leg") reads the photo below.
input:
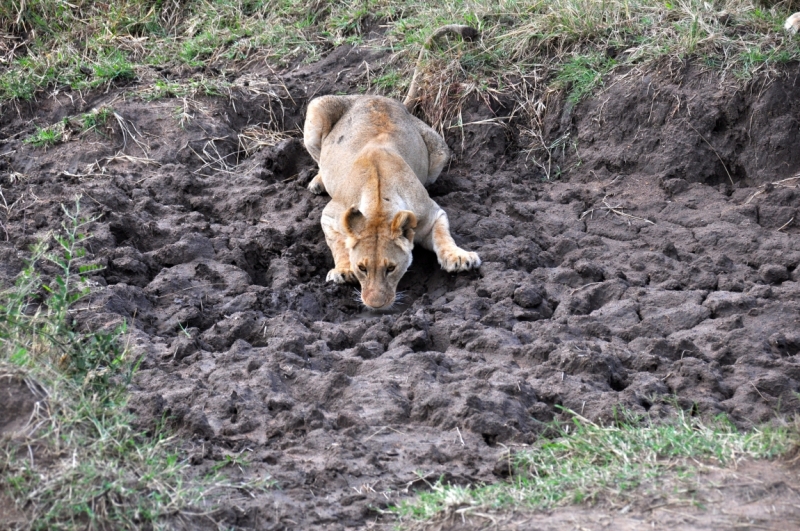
(451, 257)
(316, 186)
(438, 152)
(342, 270)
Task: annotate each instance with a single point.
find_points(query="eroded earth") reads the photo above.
(657, 269)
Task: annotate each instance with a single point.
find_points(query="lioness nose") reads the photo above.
(376, 300)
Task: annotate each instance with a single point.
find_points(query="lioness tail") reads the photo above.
(466, 32)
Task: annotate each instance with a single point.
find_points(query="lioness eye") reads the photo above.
(362, 268)
(390, 269)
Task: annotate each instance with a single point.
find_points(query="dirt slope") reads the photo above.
(664, 264)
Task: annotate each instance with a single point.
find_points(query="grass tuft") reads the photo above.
(581, 74)
(62, 131)
(112, 67)
(47, 136)
(586, 462)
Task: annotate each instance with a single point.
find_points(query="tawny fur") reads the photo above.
(792, 24)
(375, 160)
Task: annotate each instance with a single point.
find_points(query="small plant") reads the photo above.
(184, 330)
(17, 84)
(90, 121)
(389, 81)
(62, 131)
(47, 136)
(195, 50)
(113, 66)
(194, 87)
(78, 353)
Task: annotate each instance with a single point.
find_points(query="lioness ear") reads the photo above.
(352, 222)
(403, 224)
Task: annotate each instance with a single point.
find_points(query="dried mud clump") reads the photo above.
(660, 272)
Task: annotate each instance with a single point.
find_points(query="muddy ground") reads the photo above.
(659, 271)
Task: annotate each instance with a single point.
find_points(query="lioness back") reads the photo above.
(375, 120)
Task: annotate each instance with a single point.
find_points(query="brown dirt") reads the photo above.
(17, 404)
(664, 264)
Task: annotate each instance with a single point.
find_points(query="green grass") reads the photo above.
(81, 463)
(162, 88)
(581, 74)
(90, 121)
(63, 130)
(83, 44)
(114, 66)
(586, 462)
(47, 136)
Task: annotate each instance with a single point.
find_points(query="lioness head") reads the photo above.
(380, 253)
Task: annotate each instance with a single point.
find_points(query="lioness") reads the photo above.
(375, 159)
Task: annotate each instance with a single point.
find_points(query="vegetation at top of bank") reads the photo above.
(51, 44)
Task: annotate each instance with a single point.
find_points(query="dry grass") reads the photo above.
(256, 137)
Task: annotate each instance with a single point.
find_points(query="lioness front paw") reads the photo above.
(458, 260)
(340, 276)
(316, 186)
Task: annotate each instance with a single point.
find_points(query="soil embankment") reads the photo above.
(661, 271)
